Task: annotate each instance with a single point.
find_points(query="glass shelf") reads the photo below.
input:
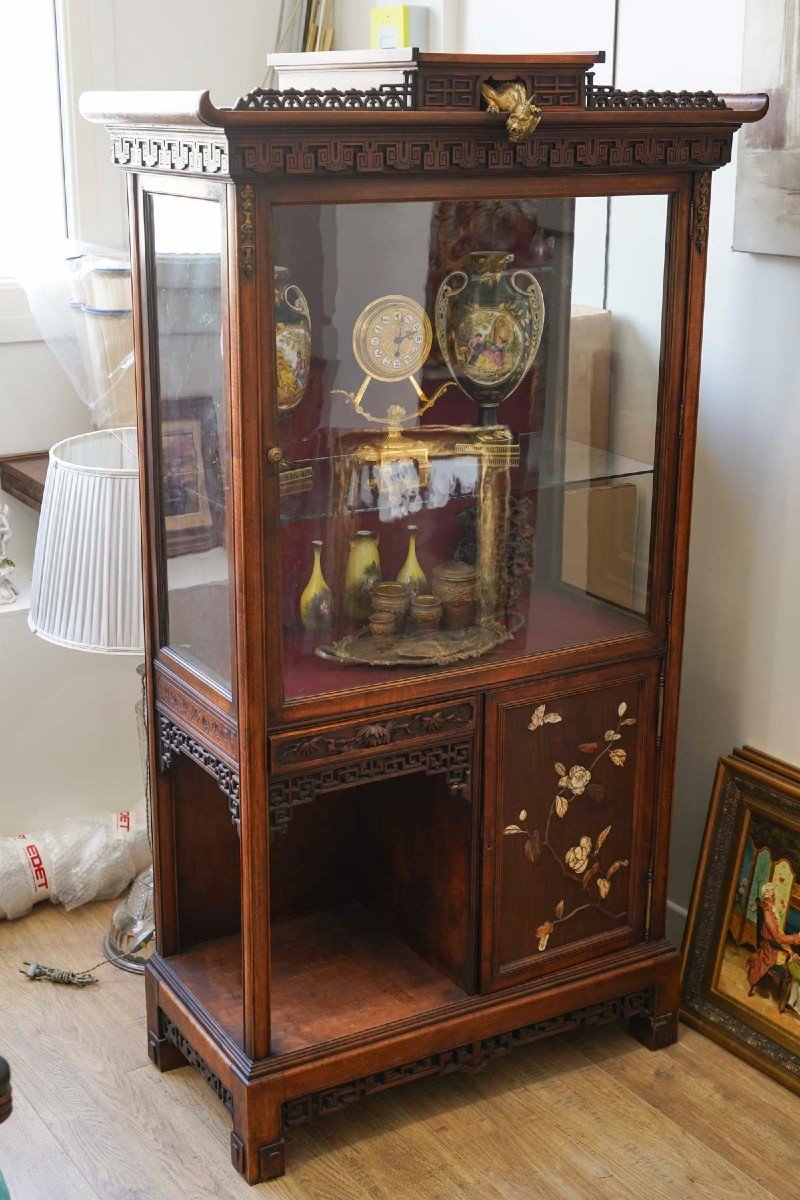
(579, 464)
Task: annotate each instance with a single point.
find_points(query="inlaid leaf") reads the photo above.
(617, 757)
(562, 805)
(596, 791)
(537, 717)
(615, 866)
(512, 829)
(609, 735)
(533, 846)
(543, 933)
(560, 769)
(623, 708)
(602, 835)
(629, 721)
(552, 718)
(603, 887)
(590, 874)
(587, 747)
(560, 909)
(523, 815)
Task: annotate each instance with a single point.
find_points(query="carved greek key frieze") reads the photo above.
(173, 740)
(170, 152)
(472, 1056)
(281, 154)
(359, 154)
(453, 759)
(172, 1034)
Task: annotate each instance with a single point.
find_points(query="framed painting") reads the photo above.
(741, 963)
(193, 500)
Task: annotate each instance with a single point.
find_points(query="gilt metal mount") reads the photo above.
(523, 115)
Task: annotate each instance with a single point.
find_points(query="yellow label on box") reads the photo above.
(390, 27)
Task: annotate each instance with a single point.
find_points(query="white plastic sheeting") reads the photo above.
(93, 857)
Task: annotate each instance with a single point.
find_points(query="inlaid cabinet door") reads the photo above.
(569, 820)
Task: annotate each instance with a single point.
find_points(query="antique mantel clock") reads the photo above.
(413, 711)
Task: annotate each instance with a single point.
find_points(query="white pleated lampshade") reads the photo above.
(87, 572)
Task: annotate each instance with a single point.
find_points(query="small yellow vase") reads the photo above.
(316, 601)
(363, 572)
(411, 572)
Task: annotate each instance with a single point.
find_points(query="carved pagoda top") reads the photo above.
(440, 113)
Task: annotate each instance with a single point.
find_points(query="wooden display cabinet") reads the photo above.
(370, 873)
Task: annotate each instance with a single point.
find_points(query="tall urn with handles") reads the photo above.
(489, 322)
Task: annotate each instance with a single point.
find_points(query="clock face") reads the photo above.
(392, 337)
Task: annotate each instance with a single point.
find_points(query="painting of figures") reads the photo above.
(741, 954)
(760, 964)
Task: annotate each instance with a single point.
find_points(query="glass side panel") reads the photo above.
(186, 251)
(467, 398)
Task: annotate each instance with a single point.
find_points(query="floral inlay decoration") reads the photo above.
(583, 863)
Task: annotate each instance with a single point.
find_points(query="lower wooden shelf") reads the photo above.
(334, 974)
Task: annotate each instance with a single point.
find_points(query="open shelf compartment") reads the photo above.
(372, 915)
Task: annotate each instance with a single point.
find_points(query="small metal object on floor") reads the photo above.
(84, 978)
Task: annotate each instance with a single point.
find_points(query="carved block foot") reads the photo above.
(261, 1163)
(163, 1054)
(655, 1032)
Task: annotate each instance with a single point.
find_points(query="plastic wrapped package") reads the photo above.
(81, 301)
(92, 857)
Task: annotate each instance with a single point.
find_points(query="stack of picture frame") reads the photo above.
(741, 960)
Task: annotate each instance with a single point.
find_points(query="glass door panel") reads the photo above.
(467, 396)
(192, 429)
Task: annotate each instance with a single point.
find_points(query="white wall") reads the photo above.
(67, 720)
(742, 660)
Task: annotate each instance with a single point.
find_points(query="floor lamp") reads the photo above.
(86, 594)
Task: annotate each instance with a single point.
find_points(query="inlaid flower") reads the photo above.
(576, 779)
(577, 858)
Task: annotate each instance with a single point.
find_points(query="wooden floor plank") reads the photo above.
(591, 1116)
(699, 1092)
(34, 1165)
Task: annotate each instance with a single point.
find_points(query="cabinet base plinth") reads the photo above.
(260, 1095)
(260, 1164)
(656, 1033)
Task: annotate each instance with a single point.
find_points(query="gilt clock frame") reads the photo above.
(266, 757)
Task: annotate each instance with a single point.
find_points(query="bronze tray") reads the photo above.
(420, 648)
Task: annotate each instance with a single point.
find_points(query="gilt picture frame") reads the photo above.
(741, 950)
(194, 500)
